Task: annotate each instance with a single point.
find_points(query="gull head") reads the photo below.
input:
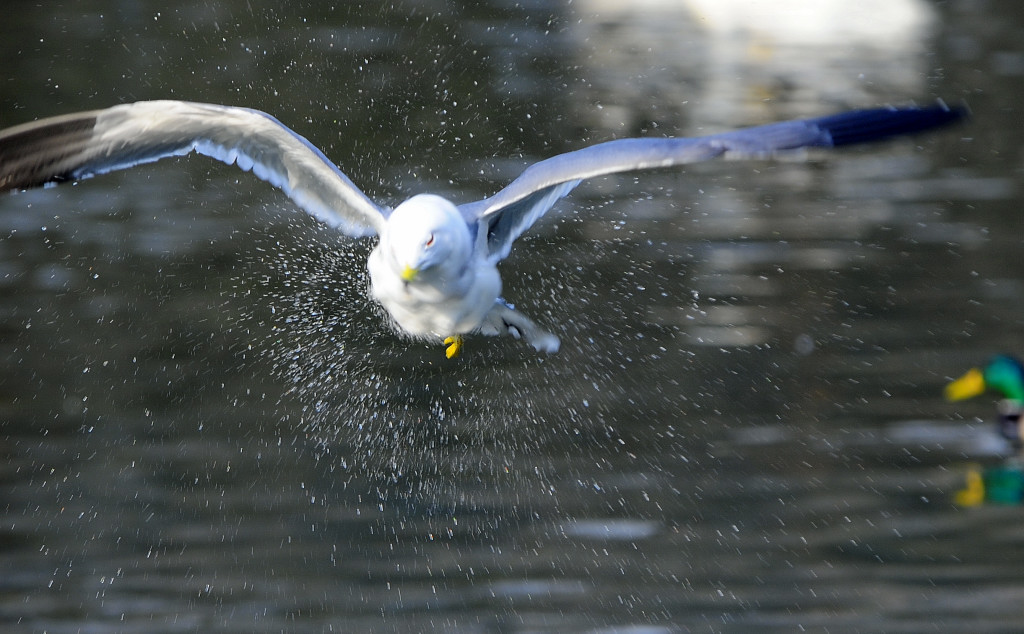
(427, 238)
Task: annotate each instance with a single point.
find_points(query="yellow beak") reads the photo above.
(409, 273)
(970, 384)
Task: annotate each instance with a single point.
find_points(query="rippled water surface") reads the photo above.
(205, 425)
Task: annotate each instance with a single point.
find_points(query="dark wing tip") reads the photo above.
(43, 152)
(863, 126)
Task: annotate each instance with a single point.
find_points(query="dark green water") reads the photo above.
(206, 427)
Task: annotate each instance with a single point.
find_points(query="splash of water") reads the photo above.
(394, 409)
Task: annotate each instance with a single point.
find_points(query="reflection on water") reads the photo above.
(206, 426)
(716, 63)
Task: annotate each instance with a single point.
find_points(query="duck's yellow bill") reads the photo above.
(970, 384)
(409, 273)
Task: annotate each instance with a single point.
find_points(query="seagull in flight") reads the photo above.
(434, 268)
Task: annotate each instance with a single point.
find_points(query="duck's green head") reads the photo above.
(1003, 374)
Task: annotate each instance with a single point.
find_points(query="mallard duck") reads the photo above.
(1003, 375)
(1001, 484)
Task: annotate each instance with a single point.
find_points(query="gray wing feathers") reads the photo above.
(89, 143)
(516, 217)
(513, 209)
(626, 155)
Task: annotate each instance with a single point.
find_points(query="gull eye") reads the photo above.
(430, 242)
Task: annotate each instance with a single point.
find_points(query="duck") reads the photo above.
(1003, 483)
(1003, 375)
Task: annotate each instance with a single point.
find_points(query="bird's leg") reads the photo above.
(454, 346)
(504, 319)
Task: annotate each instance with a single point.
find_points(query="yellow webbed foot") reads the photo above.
(454, 346)
(974, 493)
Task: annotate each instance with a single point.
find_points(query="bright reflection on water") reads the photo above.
(207, 426)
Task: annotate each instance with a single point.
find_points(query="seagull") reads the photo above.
(434, 268)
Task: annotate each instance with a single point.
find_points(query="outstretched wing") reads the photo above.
(80, 145)
(515, 208)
